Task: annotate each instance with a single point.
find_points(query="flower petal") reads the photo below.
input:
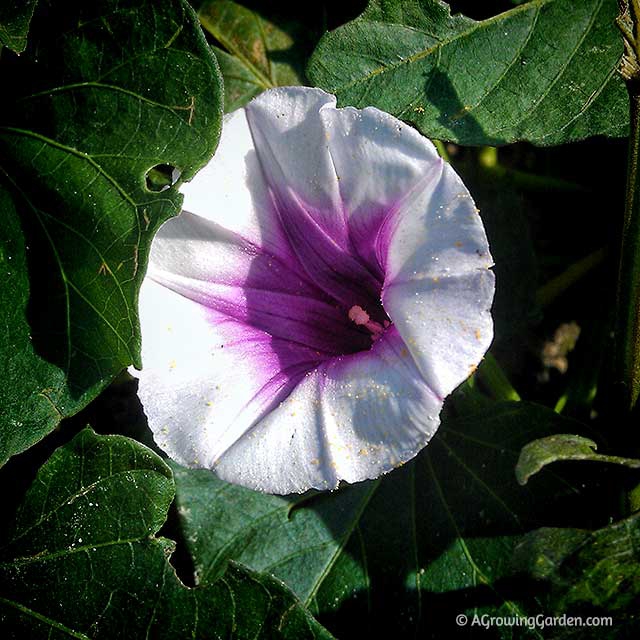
(290, 139)
(231, 191)
(438, 287)
(207, 379)
(350, 419)
(379, 162)
(200, 260)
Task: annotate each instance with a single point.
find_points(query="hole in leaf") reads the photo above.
(162, 177)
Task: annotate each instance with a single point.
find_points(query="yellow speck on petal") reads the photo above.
(172, 364)
(315, 461)
(363, 452)
(477, 334)
(403, 352)
(458, 244)
(209, 403)
(435, 280)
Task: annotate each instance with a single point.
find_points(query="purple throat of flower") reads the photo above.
(325, 287)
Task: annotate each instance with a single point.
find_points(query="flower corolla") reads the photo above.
(325, 287)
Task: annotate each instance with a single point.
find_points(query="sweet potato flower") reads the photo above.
(325, 287)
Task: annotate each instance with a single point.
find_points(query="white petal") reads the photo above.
(205, 378)
(438, 287)
(232, 192)
(350, 419)
(292, 143)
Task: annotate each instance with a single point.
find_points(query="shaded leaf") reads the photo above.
(15, 16)
(261, 50)
(544, 71)
(598, 569)
(81, 560)
(563, 446)
(104, 92)
(404, 553)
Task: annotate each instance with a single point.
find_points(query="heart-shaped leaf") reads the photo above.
(544, 71)
(81, 560)
(105, 92)
(405, 553)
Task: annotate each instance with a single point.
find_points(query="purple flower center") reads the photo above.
(315, 295)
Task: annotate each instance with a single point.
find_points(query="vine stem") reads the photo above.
(627, 330)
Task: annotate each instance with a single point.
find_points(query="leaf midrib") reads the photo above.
(74, 496)
(473, 28)
(49, 621)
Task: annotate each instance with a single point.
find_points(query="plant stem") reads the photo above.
(627, 328)
(442, 150)
(627, 332)
(493, 379)
(553, 289)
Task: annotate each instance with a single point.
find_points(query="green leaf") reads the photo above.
(105, 92)
(261, 51)
(587, 569)
(563, 446)
(15, 16)
(545, 71)
(81, 560)
(405, 553)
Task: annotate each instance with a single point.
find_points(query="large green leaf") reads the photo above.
(405, 553)
(545, 71)
(260, 50)
(15, 16)
(81, 560)
(105, 91)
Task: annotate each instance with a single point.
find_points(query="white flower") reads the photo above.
(325, 287)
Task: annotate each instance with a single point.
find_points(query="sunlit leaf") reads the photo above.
(563, 446)
(544, 71)
(105, 92)
(261, 48)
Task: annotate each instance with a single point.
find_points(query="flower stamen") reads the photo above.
(358, 315)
